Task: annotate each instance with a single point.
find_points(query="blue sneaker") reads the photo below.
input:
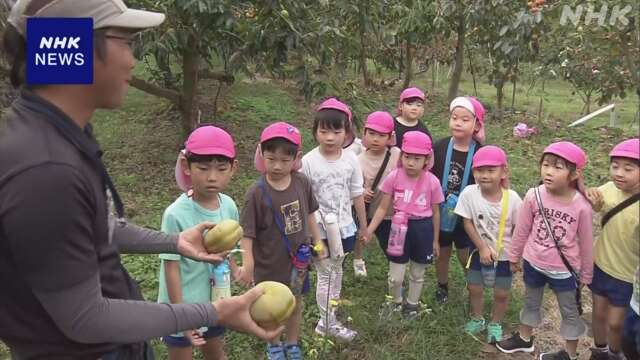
(276, 352)
(294, 352)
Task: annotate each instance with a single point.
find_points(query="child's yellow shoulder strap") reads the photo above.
(503, 219)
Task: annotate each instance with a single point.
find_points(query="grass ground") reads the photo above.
(141, 142)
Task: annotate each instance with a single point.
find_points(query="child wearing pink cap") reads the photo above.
(280, 227)
(415, 194)
(377, 161)
(488, 210)
(336, 180)
(409, 113)
(203, 170)
(453, 156)
(554, 237)
(617, 252)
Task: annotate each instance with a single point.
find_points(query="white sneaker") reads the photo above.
(337, 330)
(359, 268)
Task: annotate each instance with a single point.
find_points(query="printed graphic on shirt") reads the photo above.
(559, 222)
(491, 224)
(335, 197)
(454, 180)
(406, 195)
(292, 219)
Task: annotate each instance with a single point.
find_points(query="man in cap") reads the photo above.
(64, 293)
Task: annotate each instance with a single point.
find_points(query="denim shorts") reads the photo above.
(181, 341)
(618, 292)
(418, 244)
(504, 277)
(536, 279)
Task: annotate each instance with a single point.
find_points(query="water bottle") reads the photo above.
(333, 236)
(488, 274)
(397, 234)
(220, 281)
(300, 268)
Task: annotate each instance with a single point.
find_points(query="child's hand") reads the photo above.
(486, 256)
(368, 195)
(515, 267)
(595, 198)
(436, 248)
(362, 236)
(244, 276)
(366, 236)
(195, 337)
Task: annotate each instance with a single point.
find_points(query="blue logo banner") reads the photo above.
(59, 51)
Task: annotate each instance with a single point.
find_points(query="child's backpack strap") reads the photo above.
(618, 208)
(467, 166)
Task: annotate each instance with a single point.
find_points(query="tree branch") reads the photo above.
(156, 90)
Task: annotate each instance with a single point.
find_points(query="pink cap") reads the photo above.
(416, 142)
(335, 104)
(281, 130)
(476, 108)
(568, 151)
(278, 130)
(489, 155)
(382, 122)
(412, 92)
(629, 149)
(205, 140)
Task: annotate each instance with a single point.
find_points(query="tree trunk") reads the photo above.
(513, 93)
(473, 74)
(459, 60)
(190, 67)
(363, 54)
(500, 98)
(408, 73)
(401, 59)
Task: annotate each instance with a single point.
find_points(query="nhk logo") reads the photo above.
(59, 51)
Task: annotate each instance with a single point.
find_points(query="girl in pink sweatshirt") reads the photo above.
(553, 236)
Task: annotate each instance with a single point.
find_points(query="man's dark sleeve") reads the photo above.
(133, 239)
(47, 219)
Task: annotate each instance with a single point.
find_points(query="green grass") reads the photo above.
(141, 142)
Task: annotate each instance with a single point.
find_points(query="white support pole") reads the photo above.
(592, 115)
(612, 118)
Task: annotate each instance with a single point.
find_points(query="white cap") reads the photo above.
(105, 13)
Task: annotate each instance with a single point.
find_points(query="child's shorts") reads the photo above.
(536, 279)
(348, 244)
(618, 292)
(504, 277)
(181, 341)
(631, 333)
(382, 233)
(457, 237)
(418, 245)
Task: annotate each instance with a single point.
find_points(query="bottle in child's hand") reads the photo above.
(300, 268)
(333, 236)
(220, 281)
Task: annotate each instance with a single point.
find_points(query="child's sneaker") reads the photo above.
(294, 352)
(410, 311)
(599, 354)
(359, 268)
(337, 330)
(558, 355)
(515, 344)
(494, 333)
(474, 326)
(275, 352)
(442, 294)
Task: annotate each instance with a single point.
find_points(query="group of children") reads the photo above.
(419, 199)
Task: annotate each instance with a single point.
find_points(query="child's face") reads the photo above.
(210, 178)
(462, 123)
(412, 110)
(413, 164)
(556, 175)
(489, 177)
(278, 163)
(625, 174)
(330, 139)
(376, 141)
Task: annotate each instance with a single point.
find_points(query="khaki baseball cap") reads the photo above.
(105, 13)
